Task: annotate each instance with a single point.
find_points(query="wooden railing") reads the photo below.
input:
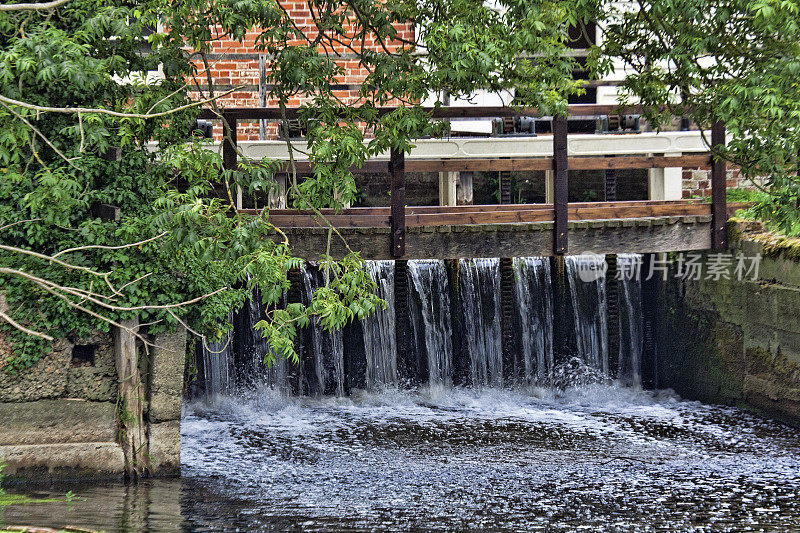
(560, 211)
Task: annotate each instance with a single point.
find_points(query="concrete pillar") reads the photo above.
(549, 187)
(447, 188)
(277, 195)
(464, 188)
(168, 359)
(665, 183)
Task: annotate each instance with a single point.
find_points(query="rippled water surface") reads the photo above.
(597, 458)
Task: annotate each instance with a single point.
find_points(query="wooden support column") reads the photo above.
(397, 173)
(132, 400)
(650, 292)
(402, 322)
(611, 185)
(510, 370)
(612, 324)
(560, 193)
(504, 181)
(561, 326)
(229, 154)
(719, 189)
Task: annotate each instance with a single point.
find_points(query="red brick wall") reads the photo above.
(233, 64)
(697, 182)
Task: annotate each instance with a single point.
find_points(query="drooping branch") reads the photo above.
(42, 6)
(6, 318)
(118, 114)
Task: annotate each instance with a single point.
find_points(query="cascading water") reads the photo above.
(534, 298)
(218, 366)
(431, 325)
(630, 319)
(328, 346)
(380, 339)
(479, 284)
(435, 356)
(587, 289)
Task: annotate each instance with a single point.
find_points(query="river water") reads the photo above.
(598, 458)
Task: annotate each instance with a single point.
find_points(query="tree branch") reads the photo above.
(23, 329)
(43, 6)
(118, 114)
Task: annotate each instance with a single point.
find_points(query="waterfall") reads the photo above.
(253, 345)
(437, 353)
(380, 340)
(630, 319)
(430, 312)
(587, 288)
(479, 285)
(328, 346)
(218, 366)
(534, 298)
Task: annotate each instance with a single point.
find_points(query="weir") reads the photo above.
(454, 324)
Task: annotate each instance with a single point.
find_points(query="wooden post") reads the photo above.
(611, 185)
(719, 189)
(132, 399)
(229, 155)
(504, 180)
(397, 172)
(402, 324)
(612, 323)
(560, 185)
(510, 373)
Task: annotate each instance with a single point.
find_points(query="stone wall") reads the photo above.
(59, 418)
(737, 342)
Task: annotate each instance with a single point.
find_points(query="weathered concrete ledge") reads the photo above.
(650, 234)
(738, 342)
(61, 417)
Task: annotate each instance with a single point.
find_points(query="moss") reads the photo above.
(773, 244)
(777, 367)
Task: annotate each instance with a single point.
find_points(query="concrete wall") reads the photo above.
(60, 417)
(737, 342)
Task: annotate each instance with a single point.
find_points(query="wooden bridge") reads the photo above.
(506, 230)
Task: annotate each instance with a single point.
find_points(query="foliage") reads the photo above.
(735, 61)
(180, 251)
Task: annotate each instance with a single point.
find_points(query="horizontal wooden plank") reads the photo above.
(623, 162)
(275, 114)
(426, 209)
(532, 213)
(604, 213)
(518, 164)
(339, 221)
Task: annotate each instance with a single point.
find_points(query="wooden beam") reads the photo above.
(434, 209)
(560, 199)
(273, 114)
(719, 190)
(623, 162)
(519, 164)
(520, 214)
(398, 199)
(674, 233)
